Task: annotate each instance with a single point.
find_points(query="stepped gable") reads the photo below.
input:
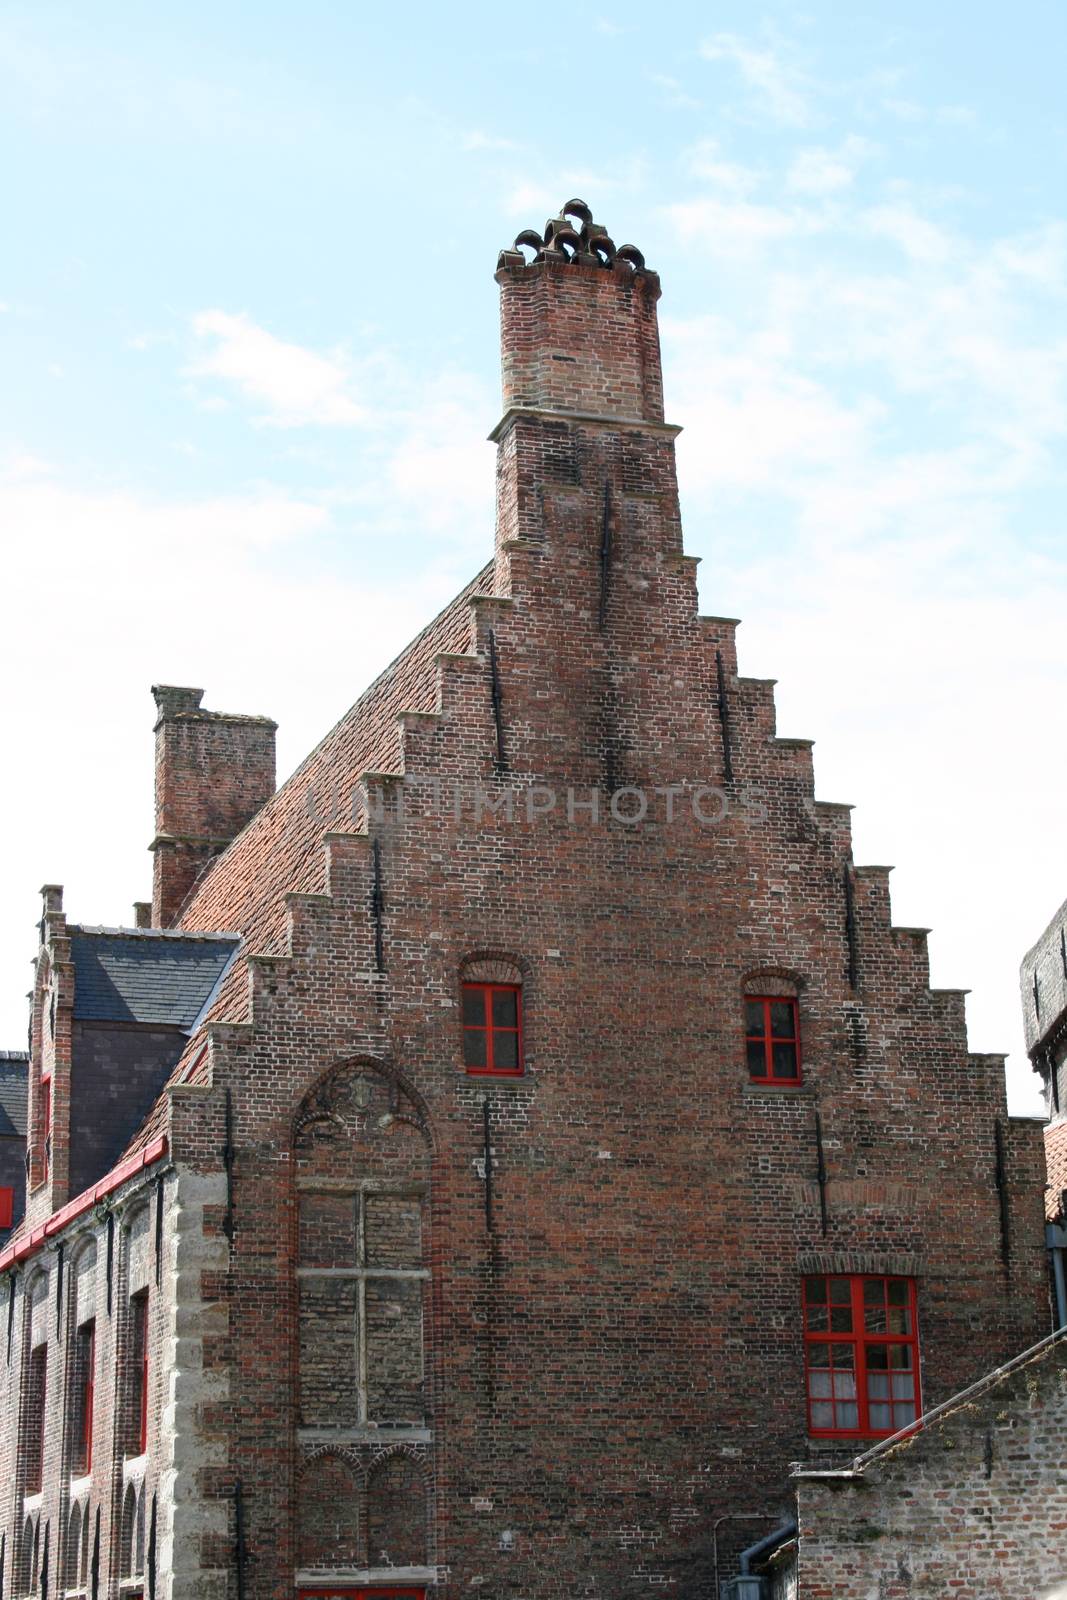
(280, 851)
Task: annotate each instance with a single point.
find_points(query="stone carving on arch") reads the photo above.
(366, 1106)
(398, 1510)
(329, 1514)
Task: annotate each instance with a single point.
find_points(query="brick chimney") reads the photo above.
(582, 380)
(213, 773)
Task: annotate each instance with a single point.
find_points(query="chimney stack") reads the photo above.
(213, 773)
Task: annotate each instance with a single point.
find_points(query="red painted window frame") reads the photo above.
(862, 1342)
(35, 1439)
(489, 1029)
(86, 1358)
(139, 1366)
(770, 1039)
(7, 1205)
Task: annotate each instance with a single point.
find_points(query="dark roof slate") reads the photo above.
(123, 975)
(14, 1080)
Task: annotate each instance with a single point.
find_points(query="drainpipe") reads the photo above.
(1056, 1240)
(748, 1586)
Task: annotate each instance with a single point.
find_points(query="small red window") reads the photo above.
(139, 1372)
(862, 1354)
(492, 1028)
(7, 1206)
(772, 1039)
(85, 1379)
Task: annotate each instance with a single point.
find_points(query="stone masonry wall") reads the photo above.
(974, 1506)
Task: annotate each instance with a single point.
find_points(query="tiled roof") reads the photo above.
(1056, 1161)
(127, 975)
(280, 851)
(14, 1076)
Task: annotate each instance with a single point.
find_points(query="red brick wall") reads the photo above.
(213, 772)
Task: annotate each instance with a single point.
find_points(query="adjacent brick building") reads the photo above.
(14, 1065)
(973, 1505)
(568, 1141)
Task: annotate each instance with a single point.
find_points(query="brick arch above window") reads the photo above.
(773, 980)
(492, 966)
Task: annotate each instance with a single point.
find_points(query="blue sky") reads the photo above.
(249, 341)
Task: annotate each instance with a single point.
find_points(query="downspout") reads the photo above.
(1056, 1240)
(784, 1531)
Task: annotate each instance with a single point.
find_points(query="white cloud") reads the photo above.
(295, 386)
(476, 139)
(818, 171)
(919, 238)
(674, 93)
(736, 228)
(775, 84)
(705, 161)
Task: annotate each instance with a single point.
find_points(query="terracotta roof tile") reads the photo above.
(280, 851)
(1056, 1160)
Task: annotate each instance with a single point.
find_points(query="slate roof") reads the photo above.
(128, 975)
(14, 1079)
(280, 851)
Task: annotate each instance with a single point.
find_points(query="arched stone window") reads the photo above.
(397, 1512)
(362, 1170)
(329, 1513)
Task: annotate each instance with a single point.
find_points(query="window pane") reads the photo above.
(840, 1319)
(898, 1292)
(757, 1059)
(753, 1017)
(819, 1385)
(814, 1289)
(474, 1047)
(784, 1057)
(903, 1386)
(818, 1354)
(505, 1008)
(818, 1319)
(899, 1355)
(844, 1356)
(902, 1415)
(782, 1020)
(899, 1319)
(878, 1385)
(505, 1050)
(822, 1414)
(874, 1318)
(474, 1006)
(845, 1385)
(877, 1357)
(881, 1418)
(848, 1416)
(841, 1291)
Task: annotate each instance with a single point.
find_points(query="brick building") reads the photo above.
(14, 1066)
(544, 1136)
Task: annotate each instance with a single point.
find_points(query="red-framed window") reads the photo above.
(46, 1123)
(492, 1028)
(861, 1347)
(7, 1205)
(772, 1038)
(85, 1385)
(139, 1373)
(33, 1434)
